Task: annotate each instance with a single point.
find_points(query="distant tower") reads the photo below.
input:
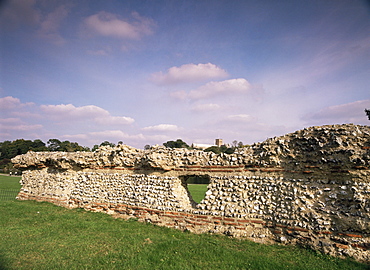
(219, 142)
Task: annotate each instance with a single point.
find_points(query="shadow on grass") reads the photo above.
(4, 264)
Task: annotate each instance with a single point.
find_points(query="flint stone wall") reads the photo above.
(311, 187)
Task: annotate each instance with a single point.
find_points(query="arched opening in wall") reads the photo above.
(196, 185)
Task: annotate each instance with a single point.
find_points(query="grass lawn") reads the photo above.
(9, 187)
(44, 236)
(9, 182)
(197, 191)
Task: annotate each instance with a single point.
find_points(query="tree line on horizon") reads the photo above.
(11, 149)
(215, 149)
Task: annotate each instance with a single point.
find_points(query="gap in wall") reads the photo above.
(196, 185)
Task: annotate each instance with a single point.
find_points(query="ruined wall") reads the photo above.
(310, 187)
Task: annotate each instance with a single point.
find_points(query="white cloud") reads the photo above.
(11, 123)
(179, 95)
(27, 114)
(218, 88)
(10, 103)
(87, 121)
(71, 113)
(353, 112)
(241, 118)
(108, 134)
(162, 127)
(114, 120)
(110, 25)
(114, 136)
(188, 73)
(206, 107)
(92, 138)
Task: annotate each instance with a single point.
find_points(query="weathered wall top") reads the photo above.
(329, 148)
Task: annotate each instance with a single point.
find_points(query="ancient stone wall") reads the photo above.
(311, 187)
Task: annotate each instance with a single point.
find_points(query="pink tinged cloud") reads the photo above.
(16, 124)
(350, 112)
(110, 25)
(21, 12)
(188, 73)
(242, 118)
(206, 107)
(220, 88)
(83, 113)
(181, 95)
(97, 137)
(8, 103)
(49, 28)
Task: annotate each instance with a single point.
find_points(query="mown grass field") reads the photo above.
(9, 182)
(43, 236)
(197, 191)
(9, 187)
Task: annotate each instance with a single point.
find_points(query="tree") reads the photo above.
(227, 150)
(66, 146)
(53, 145)
(176, 144)
(236, 144)
(39, 146)
(367, 113)
(221, 149)
(9, 149)
(214, 149)
(106, 143)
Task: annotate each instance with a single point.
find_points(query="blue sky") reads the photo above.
(145, 72)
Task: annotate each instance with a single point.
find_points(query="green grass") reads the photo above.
(9, 187)
(43, 236)
(197, 191)
(9, 182)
